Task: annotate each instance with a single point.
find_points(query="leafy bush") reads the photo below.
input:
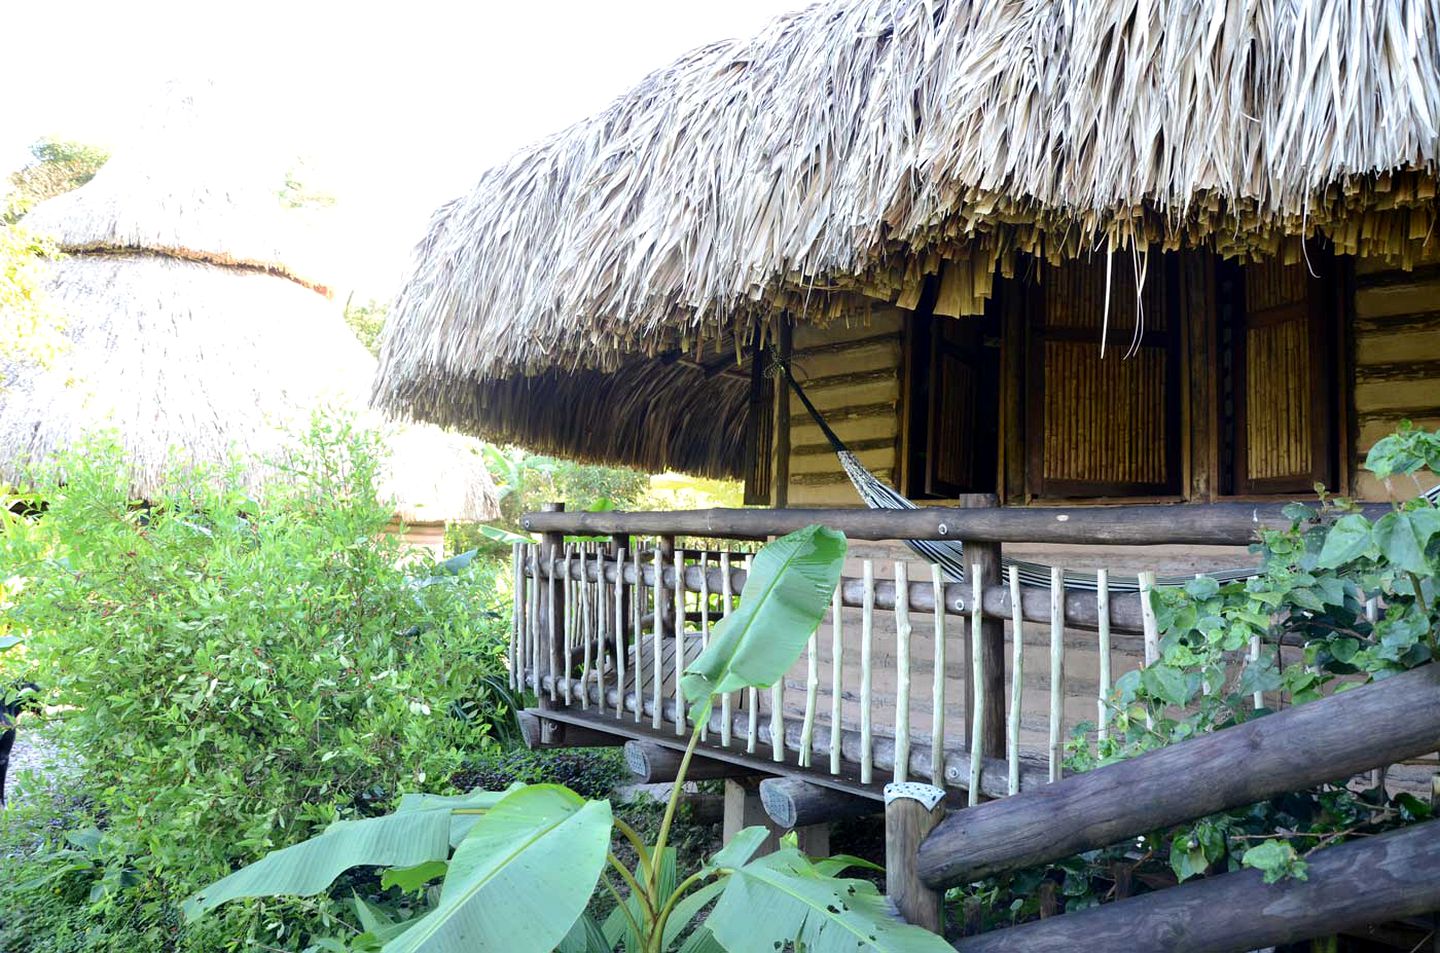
(589, 772)
(1321, 579)
(240, 671)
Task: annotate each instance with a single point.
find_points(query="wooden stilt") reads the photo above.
(793, 802)
(912, 811)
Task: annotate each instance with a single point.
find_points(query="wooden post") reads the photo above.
(992, 636)
(552, 546)
(979, 686)
(837, 677)
(1057, 670)
(621, 618)
(727, 701)
(679, 630)
(517, 612)
(937, 685)
(1017, 684)
(912, 811)
(1102, 611)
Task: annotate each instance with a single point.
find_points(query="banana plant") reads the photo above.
(514, 870)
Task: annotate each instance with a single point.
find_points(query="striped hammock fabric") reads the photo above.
(950, 555)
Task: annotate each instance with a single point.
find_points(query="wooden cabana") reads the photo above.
(1103, 285)
(191, 334)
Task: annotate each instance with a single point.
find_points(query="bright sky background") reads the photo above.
(396, 106)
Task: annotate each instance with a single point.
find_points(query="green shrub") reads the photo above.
(238, 671)
(592, 773)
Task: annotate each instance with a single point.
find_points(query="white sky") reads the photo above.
(396, 106)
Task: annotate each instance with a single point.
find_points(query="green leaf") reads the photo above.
(1276, 859)
(786, 595)
(584, 937)
(1202, 587)
(307, 868)
(520, 879)
(1170, 685)
(1348, 539)
(740, 849)
(689, 908)
(8, 642)
(1402, 538)
(504, 535)
(411, 879)
(461, 806)
(781, 898)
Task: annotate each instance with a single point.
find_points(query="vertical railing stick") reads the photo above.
(1057, 670)
(620, 620)
(657, 662)
(867, 638)
(679, 640)
(812, 699)
(558, 626)
(517, 612)
(535, 628)
(602, 631)
(902, 673)
(978, 675)
(1102, 611)
(572, 611)
(1017, 682)
(704, 615)
(727, 701)
(752, 697)
(837, 676)
(585, 627)
(638, 600)
(937, 687)
(1151, 628)
(777, 721)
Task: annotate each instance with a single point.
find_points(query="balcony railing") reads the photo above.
(910, 678)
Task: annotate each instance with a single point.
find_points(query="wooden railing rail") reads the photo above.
(1224, 524)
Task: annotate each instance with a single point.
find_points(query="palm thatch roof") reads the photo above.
(855, 148)
(188, 331)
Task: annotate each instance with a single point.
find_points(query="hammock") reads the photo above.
(950, 555)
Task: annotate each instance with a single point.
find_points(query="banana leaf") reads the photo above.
(520, 879)
(782, 898)
(786, 595)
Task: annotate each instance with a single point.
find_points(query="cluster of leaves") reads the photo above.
(1340, 600)
(589, 772)
(237, 670)
(517, 868)
(56, 166)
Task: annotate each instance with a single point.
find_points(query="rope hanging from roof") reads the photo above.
(949, 555)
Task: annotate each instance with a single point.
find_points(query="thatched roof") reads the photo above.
(861, 145)
(186, 333)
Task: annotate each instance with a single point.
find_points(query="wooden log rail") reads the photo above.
(1222, 524)
(1325, 740)
(1081, 609)
(1373, 880)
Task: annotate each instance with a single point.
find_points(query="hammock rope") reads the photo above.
(949, 555)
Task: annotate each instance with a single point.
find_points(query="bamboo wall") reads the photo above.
(1396, 357)
(852, 374)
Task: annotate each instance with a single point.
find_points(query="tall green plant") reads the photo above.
(517, 868)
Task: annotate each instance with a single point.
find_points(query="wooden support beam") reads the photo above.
(1373, 880)
(912, 811)
(1218, 524)
(1355, 731)
(793, 802)
(743, 809)
(652, 763)
(541, 732)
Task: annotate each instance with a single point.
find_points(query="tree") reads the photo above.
(56, 167)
